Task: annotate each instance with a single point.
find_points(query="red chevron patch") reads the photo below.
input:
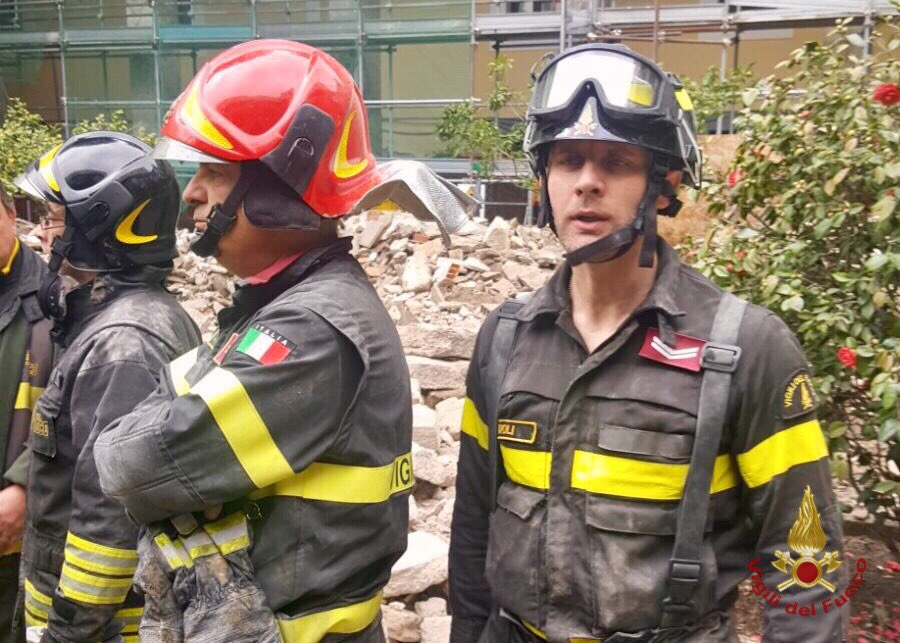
(686, 354)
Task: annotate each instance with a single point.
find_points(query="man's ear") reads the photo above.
(673, 178)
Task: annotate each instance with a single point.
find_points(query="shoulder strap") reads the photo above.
(719, 362)
(501, 348)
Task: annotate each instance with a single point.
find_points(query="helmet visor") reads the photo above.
(168, 149)
(23, 183)
(625, 82)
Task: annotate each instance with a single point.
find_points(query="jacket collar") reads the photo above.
(23, 279)
(248, 297)
(554, 296)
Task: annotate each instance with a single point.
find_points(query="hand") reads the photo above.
(12, 518)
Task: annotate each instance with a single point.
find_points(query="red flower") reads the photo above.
(733, 177)
(887, 94)
(847, 357)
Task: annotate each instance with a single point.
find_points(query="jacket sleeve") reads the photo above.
(781, 453)
(272, 407)
(471, 512)
(100, 553)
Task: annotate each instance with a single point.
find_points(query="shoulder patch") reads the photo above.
(799, 395)
(265, 345)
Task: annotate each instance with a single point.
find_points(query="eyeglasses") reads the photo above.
(48, 222)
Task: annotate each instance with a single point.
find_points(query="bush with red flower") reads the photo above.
(809, 228)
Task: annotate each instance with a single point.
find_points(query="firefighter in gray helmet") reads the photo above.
(115, 326)
(633, 437)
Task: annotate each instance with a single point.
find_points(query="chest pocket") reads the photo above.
(42, 437)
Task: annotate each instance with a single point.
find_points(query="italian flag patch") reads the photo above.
(265, 345)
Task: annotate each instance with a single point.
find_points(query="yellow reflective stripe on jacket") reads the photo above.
(243, 428)
(530, 468)
(346, 483)
(630, 478)
(103, 559)
(347, 619)
(472, 424)
(27, 396)
(776, 454)
(37, 606)
(130, 617)
(92, 589)
(179, 368)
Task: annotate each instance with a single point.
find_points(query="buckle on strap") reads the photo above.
(683, 577)
(720, 357)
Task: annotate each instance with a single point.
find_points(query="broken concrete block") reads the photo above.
(423, 565)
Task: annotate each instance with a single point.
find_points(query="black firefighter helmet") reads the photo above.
(607, 92)
(121, 206)
(121, 203)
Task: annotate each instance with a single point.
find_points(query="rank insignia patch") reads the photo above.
(517, 431)
(686, 354)
(799, 395)
(265, 345)
(223, 352)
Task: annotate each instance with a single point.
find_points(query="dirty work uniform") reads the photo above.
(297, 415)
(594, 449)
(79, 553)
(25, 349)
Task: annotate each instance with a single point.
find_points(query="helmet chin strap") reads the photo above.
(223, 215)
(51, 297)
(619, 242)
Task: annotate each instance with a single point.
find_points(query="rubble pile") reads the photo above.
(438, 298)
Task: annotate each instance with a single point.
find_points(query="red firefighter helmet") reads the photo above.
(292, 108)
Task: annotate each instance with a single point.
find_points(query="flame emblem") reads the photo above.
(806, 538)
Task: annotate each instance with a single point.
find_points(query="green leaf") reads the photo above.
(884, 207)
(793, 303)
(876, 261)
(856, 40)
(886, 486)
(888, 430)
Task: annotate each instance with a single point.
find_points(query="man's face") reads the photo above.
(50, 226)
(240, 248)
(595, 188)
(7, 234)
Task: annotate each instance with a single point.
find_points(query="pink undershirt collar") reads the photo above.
(264, 275)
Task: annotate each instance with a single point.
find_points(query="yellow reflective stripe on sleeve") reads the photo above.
(27, 396)
(629, 478)
(92, 589)
(99, 558)
(347, 619)
(782, 451)
(346, 483)
(530, 468)
(243, 428)
(130, 618)
(473, 425)
(179, 368)
(37, 605)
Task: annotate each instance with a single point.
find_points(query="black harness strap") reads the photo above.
(719, 362)
(501, 349)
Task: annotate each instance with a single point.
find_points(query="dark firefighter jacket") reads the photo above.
(299, 413)
(79, 552)
(595, 449)
(26, 357)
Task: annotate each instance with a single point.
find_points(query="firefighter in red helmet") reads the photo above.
(290, 431)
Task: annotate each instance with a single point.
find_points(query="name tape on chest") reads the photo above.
(686, 353)
(517, 431)
(265, 345)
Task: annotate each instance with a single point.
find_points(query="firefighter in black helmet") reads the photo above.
(634, 438)
(115, 326)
